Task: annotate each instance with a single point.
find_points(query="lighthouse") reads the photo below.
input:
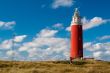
(76, 49)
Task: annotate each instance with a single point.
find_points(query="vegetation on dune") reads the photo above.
(55, 67)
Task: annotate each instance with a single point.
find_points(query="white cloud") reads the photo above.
(6, 44)
(99, 50)
(7, 25)
(104, 37)
(95, 46)
(47, 33)
(20, 38)
(107, 52)
(89, 24)
(23, 48)
(97, 54)
(58, 25)
(44, 48)
(32, 52)
(13, 55)
(92, 47)
(10, 53)
(68, 28)
(94, 22)
(87, 44)
(62, 3)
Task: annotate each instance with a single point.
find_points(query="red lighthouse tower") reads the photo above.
(76, 37)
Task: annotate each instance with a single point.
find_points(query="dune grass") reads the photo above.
(55, 67)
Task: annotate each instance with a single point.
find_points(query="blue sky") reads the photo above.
(31, 18)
